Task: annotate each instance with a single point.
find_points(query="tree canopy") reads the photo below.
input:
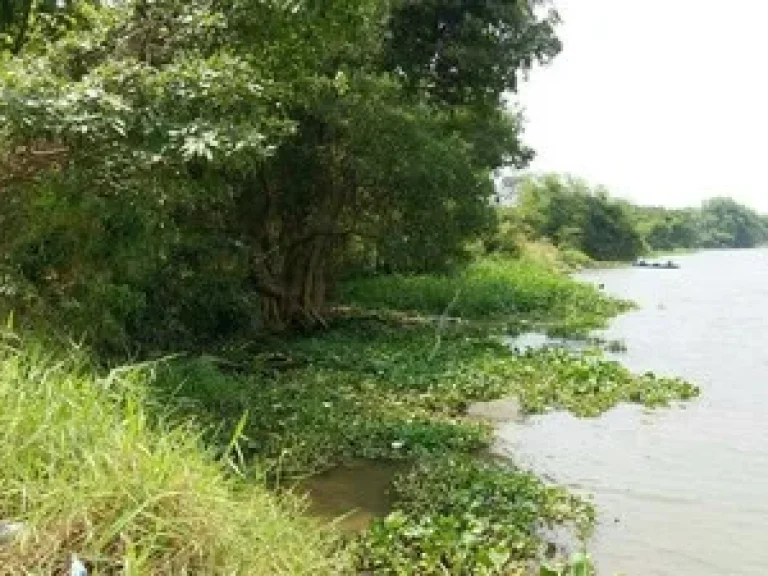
(181, 160)
(569, 212)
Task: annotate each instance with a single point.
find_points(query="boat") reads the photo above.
(668, 265)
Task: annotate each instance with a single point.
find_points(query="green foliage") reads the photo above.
(409, 150)
(579, 564)
(586, 384)
(382, 389)
(575, 259)
(446, 376)
(460, 516)
(667, 229)
(567, 212)
(175, 172)
(469, 52)
(34, 22)
(163, 284)
(510, 235)
(573, 216)
(271, 136)
(92, 465)
(492, 288)
(719, 223)
(727, 224)
(392, 389)
(316, 417)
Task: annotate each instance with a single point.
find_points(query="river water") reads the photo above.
(683, 491)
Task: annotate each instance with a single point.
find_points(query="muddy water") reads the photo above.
(683, 491)
(351, 496)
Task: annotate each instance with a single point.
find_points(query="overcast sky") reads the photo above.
(663, 101)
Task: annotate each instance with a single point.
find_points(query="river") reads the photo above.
(680, 492)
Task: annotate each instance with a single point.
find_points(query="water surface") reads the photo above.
(682, 491)
(352, 496)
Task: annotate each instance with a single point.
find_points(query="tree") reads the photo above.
(726, 223)
(15, 18)
(37, 20)
(568, 212)
(665, 228)
(468, 51)
(609, 233)
(277, 132)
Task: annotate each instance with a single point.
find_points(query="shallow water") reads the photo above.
(682, 491)
(351, 496)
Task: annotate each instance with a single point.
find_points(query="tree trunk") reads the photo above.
(299, 299)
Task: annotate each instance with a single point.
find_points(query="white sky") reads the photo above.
(663, 101)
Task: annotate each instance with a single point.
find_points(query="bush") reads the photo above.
(127, 272)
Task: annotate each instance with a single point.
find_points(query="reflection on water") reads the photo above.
(352, 496)
(531, 341)
(537, 340)
(680, 491)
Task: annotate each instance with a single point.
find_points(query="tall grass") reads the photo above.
(490, 288)
(90, 466)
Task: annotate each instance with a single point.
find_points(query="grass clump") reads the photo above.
(515, 291)
(461, 516)
(558, 259)
(92, 466)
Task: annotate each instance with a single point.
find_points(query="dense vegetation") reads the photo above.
(575, 216)
(490, 289)
(281, 208)
(179, 169)
(137, 458)
(718, 223)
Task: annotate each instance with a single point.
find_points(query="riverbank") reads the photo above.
(390, 380)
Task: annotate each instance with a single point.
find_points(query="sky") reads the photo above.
(665, 102)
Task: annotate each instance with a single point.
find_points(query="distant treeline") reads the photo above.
(576, 216)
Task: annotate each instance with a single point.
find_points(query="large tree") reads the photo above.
(277, 131)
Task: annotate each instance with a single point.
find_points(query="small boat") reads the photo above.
(668, 265)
